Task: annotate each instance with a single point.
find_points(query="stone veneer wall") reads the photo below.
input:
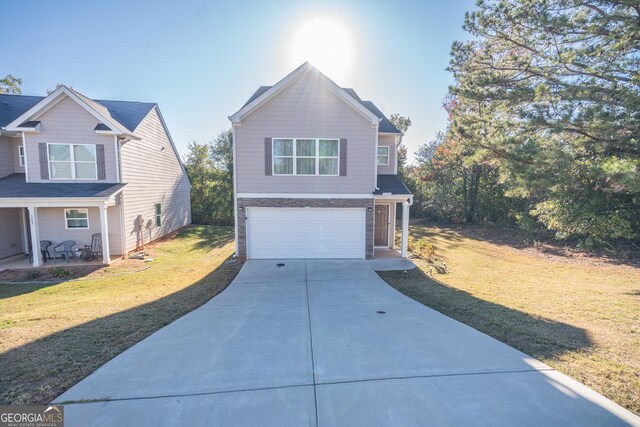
(301, 203)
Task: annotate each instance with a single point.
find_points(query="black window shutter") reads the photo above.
(44, 160)
(268, 156)
(102, 173)
(343, 157)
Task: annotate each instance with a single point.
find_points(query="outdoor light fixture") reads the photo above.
(369, 208)
(241, 208)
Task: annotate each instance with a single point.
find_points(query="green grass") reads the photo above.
(52, 336)
(577, 314)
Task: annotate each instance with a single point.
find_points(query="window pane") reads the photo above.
(61, 170)
(383, 150)
(77, 223)
(305, 147)
(306, 166)
(59, 152)
(158, 209)
(383, 160)
(328, 166)
(328, 148)
(283, 166)
(75, 213)
(85, 153)
(86, 171)
(283, 147)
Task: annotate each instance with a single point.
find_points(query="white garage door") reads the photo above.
(305, 233)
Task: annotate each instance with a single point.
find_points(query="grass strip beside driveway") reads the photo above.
(54, 335)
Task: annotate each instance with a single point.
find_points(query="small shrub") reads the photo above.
(60, 272)
(421, 248)
(31, 275)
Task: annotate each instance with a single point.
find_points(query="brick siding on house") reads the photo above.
(301, 203)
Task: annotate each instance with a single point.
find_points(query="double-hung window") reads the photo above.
(158, 209)
(306, 156)
(383, 155)
(68, 161)
(76, 219)
(21, 154)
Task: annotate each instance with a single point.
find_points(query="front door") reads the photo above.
(381, 226)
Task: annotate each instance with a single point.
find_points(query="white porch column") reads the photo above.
(35, 239)
(405, 228)
(104, 229)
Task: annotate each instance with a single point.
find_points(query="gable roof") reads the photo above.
(385, 125)
(125, 114)
(265, 93)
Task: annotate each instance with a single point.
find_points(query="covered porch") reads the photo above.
(390, 196)
(32, 215)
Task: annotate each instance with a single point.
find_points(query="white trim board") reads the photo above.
(302, 196)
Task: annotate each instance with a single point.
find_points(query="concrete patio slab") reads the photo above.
(261, 295)
(290, 406)
(208, 351)
(356, 342)
(539, 398)
(267, 271)
(346, 292)
(339, 269)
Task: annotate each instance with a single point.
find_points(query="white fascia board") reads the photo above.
(50, 202)
(55, 97)
(290, 78)
(301, 196)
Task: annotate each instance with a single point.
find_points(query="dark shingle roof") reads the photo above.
(12, 106)
(14, 185)
(128, 114)
(385, 124)
(391, 184)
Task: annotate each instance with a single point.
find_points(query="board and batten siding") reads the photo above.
(153, 175)
(52, 226)
(11, 241)
(389, 141)
(305, 109)
(68, 123)
(6, 156)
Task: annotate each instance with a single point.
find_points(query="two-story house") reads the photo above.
(315, 172)
(72, 167)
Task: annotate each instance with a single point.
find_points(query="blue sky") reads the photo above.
(201, 60)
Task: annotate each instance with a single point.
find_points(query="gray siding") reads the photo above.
(305, 109)
(11, 241)
(69, 123)
(51, 225)
(6, 156)
(389, 141)
(153, 175)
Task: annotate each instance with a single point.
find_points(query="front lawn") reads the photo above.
(53, 335)
(578, 314)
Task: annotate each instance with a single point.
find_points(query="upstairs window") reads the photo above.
(67, 161)
(306, 156)
(383, 155)
(21, 154)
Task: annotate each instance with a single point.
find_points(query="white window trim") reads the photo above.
(295, 157)
(66, 220)
(73, 162)
(383, 155)
(157, 216)
(21, 155)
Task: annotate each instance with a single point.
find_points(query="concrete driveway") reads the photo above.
(327, 343)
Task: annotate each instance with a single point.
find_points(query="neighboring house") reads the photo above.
(71, 167)
(315, 172)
